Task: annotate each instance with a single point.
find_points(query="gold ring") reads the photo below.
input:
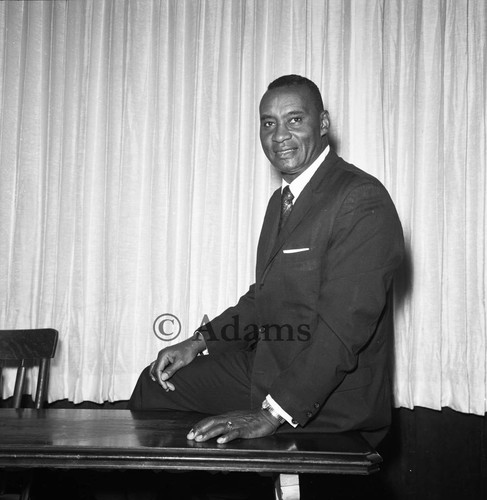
(229, 424)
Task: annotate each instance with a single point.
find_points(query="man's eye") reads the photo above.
(267, 124)
(296, 119)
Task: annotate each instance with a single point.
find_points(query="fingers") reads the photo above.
(233, 425)
(169, 361)
(210, 427)
(160, 373)
(168, 386)
(151, 371)
(229, 436)
(201, 427)
(157, 367)
(170, 370)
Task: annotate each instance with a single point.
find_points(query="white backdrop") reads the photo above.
(132, 182)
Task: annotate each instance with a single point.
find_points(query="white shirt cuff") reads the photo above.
(280, 411)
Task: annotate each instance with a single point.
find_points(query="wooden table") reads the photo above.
(121, 439)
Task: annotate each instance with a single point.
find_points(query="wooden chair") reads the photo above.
(22, 347)
(25, 348)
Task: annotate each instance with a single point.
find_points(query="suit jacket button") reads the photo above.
(317, 405)
(261, 329)
(309, 414)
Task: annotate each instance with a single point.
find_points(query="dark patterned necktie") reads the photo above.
(286, 206)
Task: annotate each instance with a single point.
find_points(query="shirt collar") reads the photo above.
(298, 184)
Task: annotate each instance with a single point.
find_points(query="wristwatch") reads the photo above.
(267, 407)
(197, 335)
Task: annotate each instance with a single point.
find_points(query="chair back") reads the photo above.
(35, 346)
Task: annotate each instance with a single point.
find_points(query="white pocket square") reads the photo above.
(295, 250)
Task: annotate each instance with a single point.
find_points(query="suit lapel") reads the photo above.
(303, 205)
(269, 232)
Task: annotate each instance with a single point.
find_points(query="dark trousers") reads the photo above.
(210, 384)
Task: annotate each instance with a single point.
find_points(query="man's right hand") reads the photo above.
(172, 358)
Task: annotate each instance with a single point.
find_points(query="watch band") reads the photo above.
(197, 335)
(267, 407)
(200, 338)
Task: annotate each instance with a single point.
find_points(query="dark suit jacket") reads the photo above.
(319, 319)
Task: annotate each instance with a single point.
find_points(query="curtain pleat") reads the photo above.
(132, 181)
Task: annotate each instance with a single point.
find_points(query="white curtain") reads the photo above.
(132, 183)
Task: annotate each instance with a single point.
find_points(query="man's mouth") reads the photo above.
(286, 153)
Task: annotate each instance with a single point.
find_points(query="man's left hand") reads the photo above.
(236, 424)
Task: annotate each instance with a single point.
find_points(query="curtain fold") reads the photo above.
(132, 182)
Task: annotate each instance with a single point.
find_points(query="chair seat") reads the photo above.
(37, 346)
(24, 348)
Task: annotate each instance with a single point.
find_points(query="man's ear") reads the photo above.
(324, 122)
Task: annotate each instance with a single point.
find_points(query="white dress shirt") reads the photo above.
(296, 187)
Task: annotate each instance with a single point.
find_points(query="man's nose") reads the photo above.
(281, 133)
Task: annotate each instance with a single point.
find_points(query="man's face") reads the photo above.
(292, 130)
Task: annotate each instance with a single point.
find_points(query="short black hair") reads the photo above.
(295, 80)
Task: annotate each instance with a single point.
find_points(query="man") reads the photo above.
(311, 351)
